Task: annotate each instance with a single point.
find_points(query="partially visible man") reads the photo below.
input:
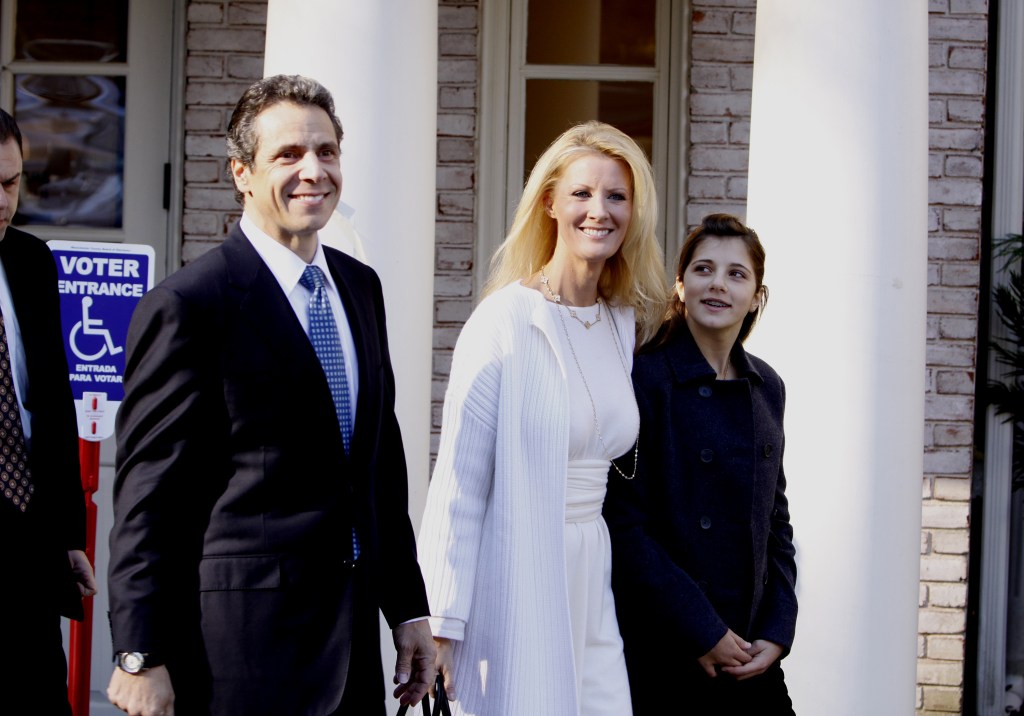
(260, 506)
(42, 509)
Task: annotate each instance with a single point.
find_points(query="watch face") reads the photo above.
(132, 662)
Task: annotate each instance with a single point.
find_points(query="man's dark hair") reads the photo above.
(9, 129)
(243, 140)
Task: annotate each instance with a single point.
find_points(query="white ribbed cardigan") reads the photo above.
(492, 542)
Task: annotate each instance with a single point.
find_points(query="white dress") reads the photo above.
(528, 636)
(601, 678)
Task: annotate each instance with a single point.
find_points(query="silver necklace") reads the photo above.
(557, 300)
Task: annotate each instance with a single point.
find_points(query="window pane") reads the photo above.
(552, 106)
(73, 130)
(585, 32)
(72, 31)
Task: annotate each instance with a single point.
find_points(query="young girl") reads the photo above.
(702, 546)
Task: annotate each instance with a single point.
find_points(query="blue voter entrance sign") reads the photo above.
(99, 284)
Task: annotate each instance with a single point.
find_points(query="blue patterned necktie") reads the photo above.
(323, 334)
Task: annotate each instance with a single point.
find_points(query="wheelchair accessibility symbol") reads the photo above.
(87, 331)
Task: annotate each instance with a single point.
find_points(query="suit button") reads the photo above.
(707, 455)
(704, 391)
(768, 449)
(705, 522)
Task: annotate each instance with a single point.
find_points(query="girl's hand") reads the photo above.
(764, 653)
(730, 651)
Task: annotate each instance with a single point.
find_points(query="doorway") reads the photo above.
(90, 85)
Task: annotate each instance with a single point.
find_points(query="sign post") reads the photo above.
(99, 284)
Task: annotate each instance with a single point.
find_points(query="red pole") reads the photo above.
(80, 661)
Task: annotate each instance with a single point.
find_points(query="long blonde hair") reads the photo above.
(635, 275)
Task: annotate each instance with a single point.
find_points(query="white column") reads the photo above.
(379, 60)
(838, 192)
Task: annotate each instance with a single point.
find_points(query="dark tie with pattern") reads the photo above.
(323, 334)
(15, 476)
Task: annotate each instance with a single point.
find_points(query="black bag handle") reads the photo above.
(425, 703)
(441, 707)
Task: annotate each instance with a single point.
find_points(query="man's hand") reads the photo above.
(730, 651)
(414, 668)
(764, 653)
(83, 572)
(445, 665)
(145, 694)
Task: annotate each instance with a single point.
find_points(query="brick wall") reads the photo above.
(224, 55)
(958, 49)
(721, 69)
(457, 109)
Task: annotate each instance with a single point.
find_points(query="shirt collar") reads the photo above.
(688, 363)
(284, 264)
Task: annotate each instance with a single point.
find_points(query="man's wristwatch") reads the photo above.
(135, 662)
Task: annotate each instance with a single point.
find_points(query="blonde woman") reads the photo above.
(513, 547)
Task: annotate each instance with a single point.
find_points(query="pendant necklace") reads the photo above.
(557, 300)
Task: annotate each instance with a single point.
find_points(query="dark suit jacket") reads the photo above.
(37, 573)
(234, 501)
(701, 538)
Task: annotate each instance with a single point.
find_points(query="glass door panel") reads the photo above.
(71, 31)
(552, 106)
(91, 86)
(585, 32)
(73, 130)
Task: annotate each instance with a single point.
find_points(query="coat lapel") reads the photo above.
(540, 316)
(264, 306)
(269, 320)
(688, 363)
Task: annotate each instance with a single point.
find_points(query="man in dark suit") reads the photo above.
(260, 506)
(42, 510)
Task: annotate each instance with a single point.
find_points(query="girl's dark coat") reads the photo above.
(701, 537)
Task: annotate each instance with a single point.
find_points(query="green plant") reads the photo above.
(1007, 395)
